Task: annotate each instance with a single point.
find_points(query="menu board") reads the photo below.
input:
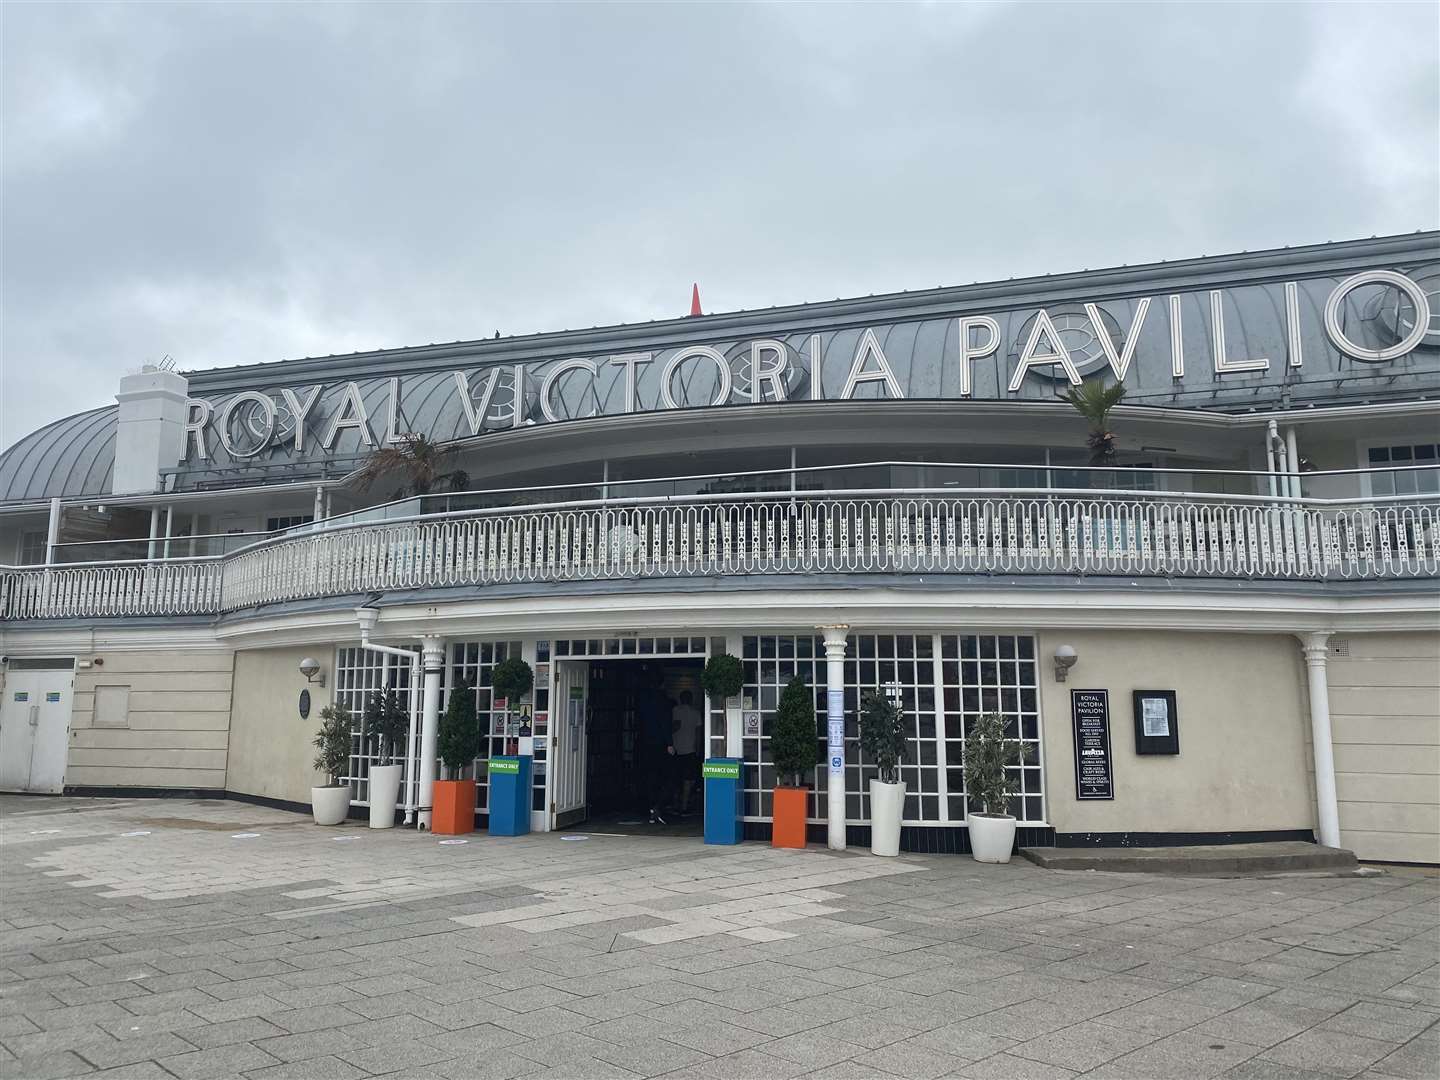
(1090, 715)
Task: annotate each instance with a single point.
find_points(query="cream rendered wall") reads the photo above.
(270, 745)
(1244, 754)
(177, 730)
(1385, 721)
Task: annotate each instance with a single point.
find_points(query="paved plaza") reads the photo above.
(198, 939)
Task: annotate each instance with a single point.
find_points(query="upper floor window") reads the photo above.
(1395, 472)
(32, 547)
(275, 524)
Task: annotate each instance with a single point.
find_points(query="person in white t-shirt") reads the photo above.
(686, 724)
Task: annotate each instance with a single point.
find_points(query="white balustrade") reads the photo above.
(788, 533)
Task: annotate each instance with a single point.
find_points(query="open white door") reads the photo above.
(570, 722)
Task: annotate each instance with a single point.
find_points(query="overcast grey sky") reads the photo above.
(235, 184)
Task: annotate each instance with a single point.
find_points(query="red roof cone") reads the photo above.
(695, 300)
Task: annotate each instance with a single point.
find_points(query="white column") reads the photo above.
(432, 661)
(52, 531)
(835, 744)
(318, 513)
(734, 733)
(1327, 807)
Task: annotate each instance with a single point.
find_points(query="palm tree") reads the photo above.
(1093, 401)
(417, 458)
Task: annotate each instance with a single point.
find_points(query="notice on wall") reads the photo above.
(1155, 716)
(835, 730)
(1090, 715)
(752, 725)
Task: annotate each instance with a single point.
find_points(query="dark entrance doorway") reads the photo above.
(627, 774)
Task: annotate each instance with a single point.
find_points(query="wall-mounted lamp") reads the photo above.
(1065, 657)
(310, 668)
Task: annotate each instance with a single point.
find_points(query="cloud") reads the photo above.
(236, 184)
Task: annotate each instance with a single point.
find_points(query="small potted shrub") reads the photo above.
(722, 678)
(330, 802)
(512, 679)
(988, 756)
(794, 749)
(458, 743)
(882, 738)
(387, 723)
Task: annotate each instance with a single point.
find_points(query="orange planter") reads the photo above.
(788, 821)
(454, 810)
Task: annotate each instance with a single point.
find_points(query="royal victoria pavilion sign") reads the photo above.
(1280, 343)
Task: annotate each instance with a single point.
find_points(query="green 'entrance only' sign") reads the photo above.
(509, 765)
(720, 770)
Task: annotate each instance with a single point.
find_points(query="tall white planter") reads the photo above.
(330, 805)
(887, 801)
(992, 836)
(384, 793)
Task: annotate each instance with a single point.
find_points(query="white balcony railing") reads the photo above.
(1129, 534)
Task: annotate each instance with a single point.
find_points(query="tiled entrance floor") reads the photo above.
(216, 939)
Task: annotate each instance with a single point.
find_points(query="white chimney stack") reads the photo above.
(150, 431)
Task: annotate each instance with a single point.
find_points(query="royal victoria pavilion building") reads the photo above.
(1230, 632)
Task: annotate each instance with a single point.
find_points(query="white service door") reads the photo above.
(35, 730)
(569, 720)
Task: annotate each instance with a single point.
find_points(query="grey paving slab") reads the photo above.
(184, 953)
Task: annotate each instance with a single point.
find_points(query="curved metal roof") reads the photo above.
(71, 457)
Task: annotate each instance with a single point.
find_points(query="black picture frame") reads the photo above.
(1152, 702)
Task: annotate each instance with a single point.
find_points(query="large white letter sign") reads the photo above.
(350, 414)
(475, 414)
(1177, 339)
(227, 413)
(860, 370)
(1223, 364)
(1058, 353)
(1417, 332)
(630, 361)
(547, 387)
(970, 353)
(722, 369)
(198, 415)
(1119, 364)
(299, 410)
(774, 375)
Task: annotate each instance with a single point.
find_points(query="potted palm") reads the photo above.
(387, 722)
(1093, 401)
(330, 802)
(795, 750)
(882, 739)
(458, 744)
(989, 756)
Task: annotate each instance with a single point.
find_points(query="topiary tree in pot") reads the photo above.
(723, 677)
(512, 679)
(387, 722)
(795, 751)
(330, 802)
(989, 755)
(458, 744)
(882, 739)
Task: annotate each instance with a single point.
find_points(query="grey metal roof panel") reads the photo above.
(72, 457)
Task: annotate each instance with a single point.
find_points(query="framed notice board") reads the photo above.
(1157, 724)
(1094, 771)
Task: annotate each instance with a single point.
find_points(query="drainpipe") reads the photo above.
(1327, 807)
(1272, 437)
(368, 617)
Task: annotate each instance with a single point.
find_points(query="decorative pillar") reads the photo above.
(432, 662)
(1327, 806)
(734, 721)
(52, 531)
(835, 730)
